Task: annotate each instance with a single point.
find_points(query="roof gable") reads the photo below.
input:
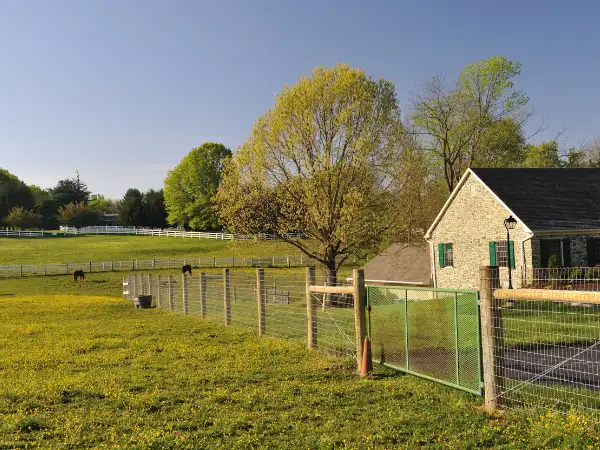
(469, 173)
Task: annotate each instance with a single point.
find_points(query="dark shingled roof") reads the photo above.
(401, 262)
(548, 199)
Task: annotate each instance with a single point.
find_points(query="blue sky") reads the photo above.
(122, 90)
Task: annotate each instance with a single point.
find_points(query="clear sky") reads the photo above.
(122, 89)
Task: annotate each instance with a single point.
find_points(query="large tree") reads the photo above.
(191, 186)
(70, 190)
(131, 209)
(153, 204)
(454, 120)
(325, 161)
(13, 192)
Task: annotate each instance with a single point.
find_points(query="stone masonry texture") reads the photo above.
(473, 219)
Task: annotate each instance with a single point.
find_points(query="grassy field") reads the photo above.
(105, 248)
(82, 372)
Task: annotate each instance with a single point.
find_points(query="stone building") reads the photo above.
(557, 213)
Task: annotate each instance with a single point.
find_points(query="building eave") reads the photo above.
(567, 232)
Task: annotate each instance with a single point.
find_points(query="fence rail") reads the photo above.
(173, 233)
(23, 270)
(263, 302)
(21, 233)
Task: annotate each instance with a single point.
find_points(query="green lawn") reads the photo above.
(83, 372)
(106, 248)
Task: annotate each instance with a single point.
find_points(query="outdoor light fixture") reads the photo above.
(509, 224)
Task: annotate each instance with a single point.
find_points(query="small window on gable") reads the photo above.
(445, 255)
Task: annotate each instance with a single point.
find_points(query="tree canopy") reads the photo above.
(458, 122)
(13, 193)
(131, 209)
(153, 205)
(70, 190)
(23, 219)
(78, 215)
(326, 160)
(191, 186)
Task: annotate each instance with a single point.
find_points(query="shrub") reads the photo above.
(23, 219)
(553, 262)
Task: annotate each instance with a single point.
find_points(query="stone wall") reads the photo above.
(473, 219)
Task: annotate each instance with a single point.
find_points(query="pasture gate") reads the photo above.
(431, 333)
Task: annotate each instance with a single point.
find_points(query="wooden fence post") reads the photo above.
(260, 291)
(149, 284)
(153, 264)
(112, 266)
(311, 309)
(226, 294)
(170, 292)
(202, 294)
(360, 307)
(214, 262)
(89, 266)
(158, 305)
(184, 293)
(492, 336)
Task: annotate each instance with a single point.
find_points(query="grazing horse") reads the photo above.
(186, 268)
(78, 274)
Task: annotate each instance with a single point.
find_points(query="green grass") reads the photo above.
(107, 248)
(83, 372)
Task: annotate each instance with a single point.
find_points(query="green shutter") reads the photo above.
(441, 255)
(511, 254)
(492, 253)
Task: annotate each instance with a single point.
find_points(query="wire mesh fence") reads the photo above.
(270, 303)
(567, 278)
(433, 333)
(541, 347)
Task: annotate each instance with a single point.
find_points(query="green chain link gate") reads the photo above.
(431, 333)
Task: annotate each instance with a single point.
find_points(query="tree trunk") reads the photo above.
(331, 299)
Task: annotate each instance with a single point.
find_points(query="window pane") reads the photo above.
(448, 256)
(501, 254)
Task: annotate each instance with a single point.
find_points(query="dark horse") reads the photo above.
(78, 274)
(186, 268)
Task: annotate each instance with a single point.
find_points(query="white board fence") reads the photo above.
(23, 270)
(173, 233)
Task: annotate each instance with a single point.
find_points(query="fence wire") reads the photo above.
(25, 270)
(432, 333)
(544, 354)
(284, 303)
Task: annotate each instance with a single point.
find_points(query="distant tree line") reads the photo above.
(71, 203)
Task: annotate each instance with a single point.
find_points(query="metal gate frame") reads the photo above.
(456, 292)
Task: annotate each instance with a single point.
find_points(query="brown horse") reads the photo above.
(186, 268)
(78, 274)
